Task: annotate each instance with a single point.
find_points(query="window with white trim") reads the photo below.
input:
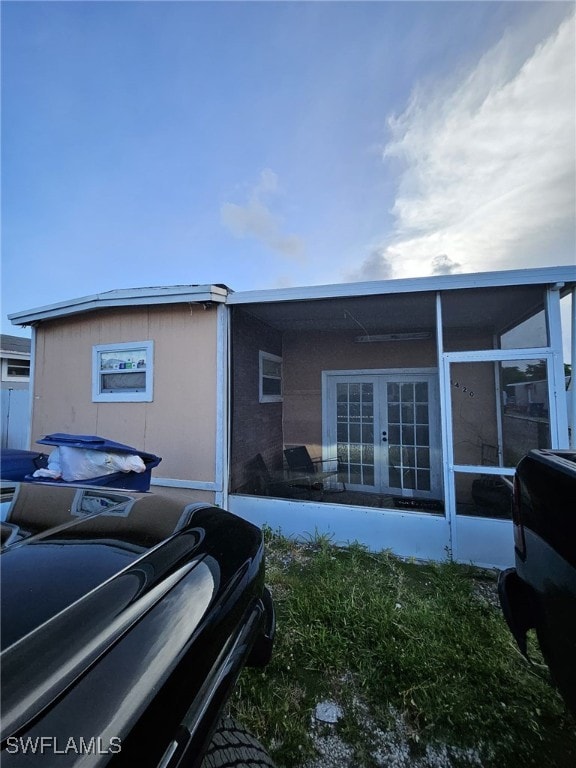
(270, 378)
(122, 372)
(15, 369)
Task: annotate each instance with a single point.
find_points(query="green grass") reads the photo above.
(394, 641)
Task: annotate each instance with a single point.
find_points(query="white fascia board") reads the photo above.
(543, 276)
(15, 355)
(131, 297)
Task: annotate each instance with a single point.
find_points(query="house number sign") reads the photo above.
(464, 389)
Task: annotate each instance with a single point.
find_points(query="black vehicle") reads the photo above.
(540, 592)
(126, 619)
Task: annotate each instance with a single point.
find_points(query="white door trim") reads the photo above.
(378, 376)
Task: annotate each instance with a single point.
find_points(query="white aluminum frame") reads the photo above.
(471, 538)
(420, 535)
(146, 396)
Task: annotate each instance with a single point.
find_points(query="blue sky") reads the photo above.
(269, 144)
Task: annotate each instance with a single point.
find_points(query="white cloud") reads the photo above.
(489, 168)
(442, 265)
(256, 219)
(376, 266)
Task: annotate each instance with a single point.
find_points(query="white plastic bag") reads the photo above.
(84, 464)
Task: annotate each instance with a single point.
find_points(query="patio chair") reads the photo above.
(303, 468)
(263, 482)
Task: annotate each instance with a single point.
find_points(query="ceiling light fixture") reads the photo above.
(401, 336)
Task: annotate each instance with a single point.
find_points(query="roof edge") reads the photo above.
(534, 276)
(129, 297)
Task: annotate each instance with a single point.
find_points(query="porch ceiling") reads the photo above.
(496, 308)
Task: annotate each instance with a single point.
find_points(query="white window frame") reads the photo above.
(144, 396)
(262, 356)
(9, 360)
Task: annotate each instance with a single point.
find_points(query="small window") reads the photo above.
(15, 369)
(270, 378)
(122, 372)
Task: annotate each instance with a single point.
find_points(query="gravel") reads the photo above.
(394, 748)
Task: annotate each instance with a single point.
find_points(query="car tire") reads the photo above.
(232, 746)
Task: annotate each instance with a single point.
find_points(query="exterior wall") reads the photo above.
(256, 427)
(179, 425)
(306, 355)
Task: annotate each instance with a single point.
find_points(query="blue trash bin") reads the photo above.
(15, 464)
(134, 481)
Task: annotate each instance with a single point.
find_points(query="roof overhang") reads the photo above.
(563, 277)
(129, 297)
(490, 302)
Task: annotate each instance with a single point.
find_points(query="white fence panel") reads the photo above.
(15, 418)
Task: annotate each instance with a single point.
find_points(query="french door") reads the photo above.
(383, 427)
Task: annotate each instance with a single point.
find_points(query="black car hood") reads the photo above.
(82, 566)
(61, 543)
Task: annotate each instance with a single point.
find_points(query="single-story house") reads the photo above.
(400, 387)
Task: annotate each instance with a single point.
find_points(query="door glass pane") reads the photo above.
(408, 414)
(367, 393)
(407, 434)
(421, 392)
(422, 414)
(368, 454)
(407, 392)
(423, 456)
(393, 413)
(424, 479)
(368, 475)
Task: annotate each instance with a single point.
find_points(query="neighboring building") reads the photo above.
(15, 361)
(399, 385)
(15, 366)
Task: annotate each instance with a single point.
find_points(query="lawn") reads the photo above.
(416, 660)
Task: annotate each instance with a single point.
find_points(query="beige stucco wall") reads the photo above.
(179, 425)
